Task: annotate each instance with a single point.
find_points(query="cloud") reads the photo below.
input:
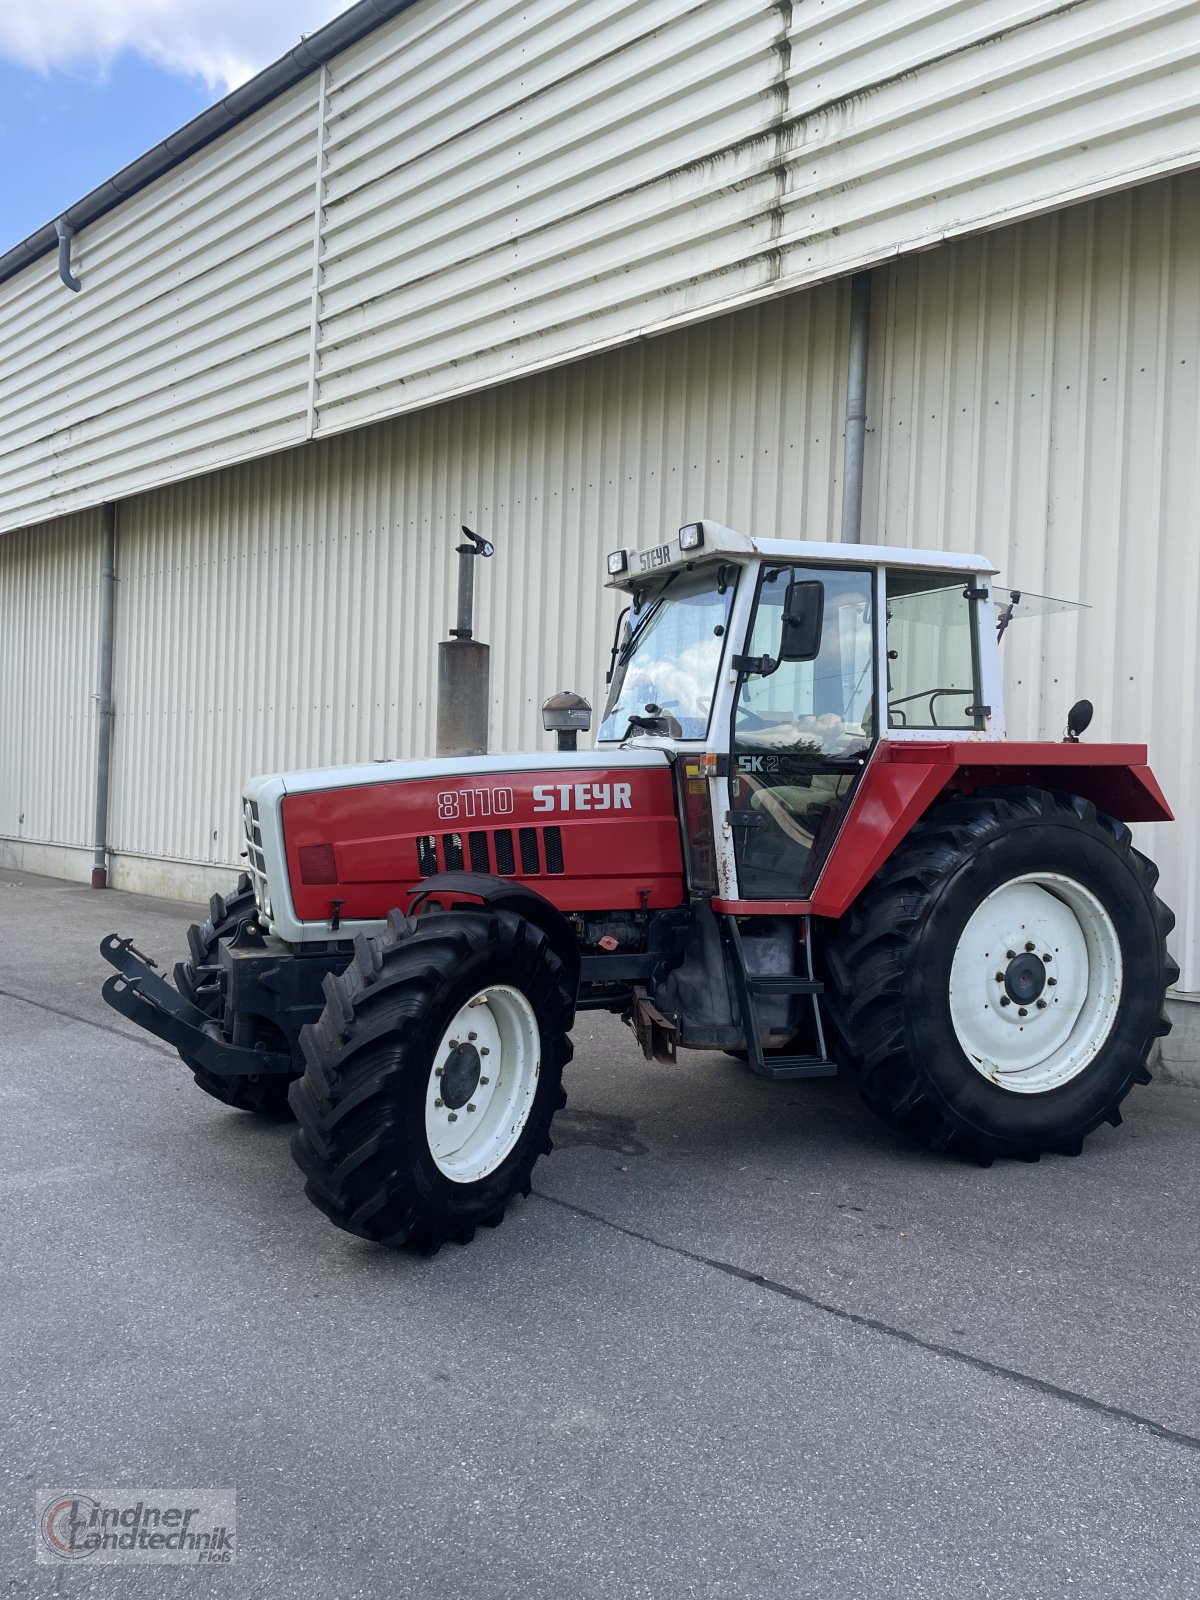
(222, 42)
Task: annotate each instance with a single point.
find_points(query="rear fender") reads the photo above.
(903, 780)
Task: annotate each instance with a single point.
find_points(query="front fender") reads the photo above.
(480, 888)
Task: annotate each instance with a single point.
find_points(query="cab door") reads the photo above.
(802, 730)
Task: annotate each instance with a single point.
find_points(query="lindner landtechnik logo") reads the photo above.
(194, 1526)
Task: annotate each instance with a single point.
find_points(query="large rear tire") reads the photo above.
(432, 1077)
(266, 1096)
(999, 984)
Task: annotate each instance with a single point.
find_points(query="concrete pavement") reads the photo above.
(742, 1341)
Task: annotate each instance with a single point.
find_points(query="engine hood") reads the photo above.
(567, 762)
(337, 848)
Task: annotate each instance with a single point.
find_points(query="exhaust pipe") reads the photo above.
(464, 666)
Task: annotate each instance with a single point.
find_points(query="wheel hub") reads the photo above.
(460, 1075)
(1036, 982)
(1024, 978)
(483, 1077)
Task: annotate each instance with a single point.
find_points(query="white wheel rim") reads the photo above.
(482, 1083)
(1027, 1023)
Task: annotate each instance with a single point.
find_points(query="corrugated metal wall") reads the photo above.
(1036, 395)
(49, 612)
(188, 346)
(285, 614)
(485, 188)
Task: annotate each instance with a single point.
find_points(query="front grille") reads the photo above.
(505, 861)
(255, 858)
(530, 862)
(450, 852)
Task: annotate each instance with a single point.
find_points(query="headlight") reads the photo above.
(617, 562)
(691, 536)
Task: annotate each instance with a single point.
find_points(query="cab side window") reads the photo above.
(932, 671)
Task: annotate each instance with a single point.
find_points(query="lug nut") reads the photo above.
(1021, 1011)
(438, 1104)
(1029, 945)
(453, 1117)
(1051, 980)
(470, 1107)
(484, 1051)
(485, 1080)
(1041, 1005)
(1004, 1000)
(1011, 954)
(437, 1071)
(454, 1044)
(999, 977)
(1046, 956)
(471, 1038)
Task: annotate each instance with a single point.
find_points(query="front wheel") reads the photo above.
(999, 985)
(196, 980)
(432, 1077)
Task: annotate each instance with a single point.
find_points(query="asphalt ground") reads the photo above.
(741, 1341)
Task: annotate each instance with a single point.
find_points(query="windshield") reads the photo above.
(666, 670)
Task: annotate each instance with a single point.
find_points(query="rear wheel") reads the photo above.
(196, 980)
(998, 986)
(433, 1076)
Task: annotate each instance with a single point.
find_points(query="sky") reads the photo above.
(88, 85)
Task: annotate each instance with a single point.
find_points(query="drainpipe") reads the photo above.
(104, 720)
(856, 408)
(65, 234)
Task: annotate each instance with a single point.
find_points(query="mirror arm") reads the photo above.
(764, 666)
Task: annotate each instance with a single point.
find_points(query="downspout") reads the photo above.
(65, 234)
(856, 408)
(104, 719)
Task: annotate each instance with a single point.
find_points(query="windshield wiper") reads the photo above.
(644, 622)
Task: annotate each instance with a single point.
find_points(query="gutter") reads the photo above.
(305, 58)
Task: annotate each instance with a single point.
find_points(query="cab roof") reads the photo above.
(700, 542)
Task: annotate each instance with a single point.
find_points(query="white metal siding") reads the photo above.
(482, 188)
(188, 345)
(285, 614)
(1036, 396)
(49, 610)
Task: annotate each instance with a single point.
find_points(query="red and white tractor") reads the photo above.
(801, 838)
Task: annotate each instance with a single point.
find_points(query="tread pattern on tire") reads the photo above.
(869, 957)
(350, 1125)
(265, 1096)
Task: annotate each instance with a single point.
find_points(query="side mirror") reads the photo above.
(803, 618)
(1078, 720)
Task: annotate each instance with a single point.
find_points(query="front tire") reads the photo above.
(433, 1076)
(999, 984)
(195, 978)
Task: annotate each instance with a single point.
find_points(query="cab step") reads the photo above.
(749, 984)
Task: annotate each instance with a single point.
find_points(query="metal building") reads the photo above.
(575, 274)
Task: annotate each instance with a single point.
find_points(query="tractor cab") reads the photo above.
(774, 668)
